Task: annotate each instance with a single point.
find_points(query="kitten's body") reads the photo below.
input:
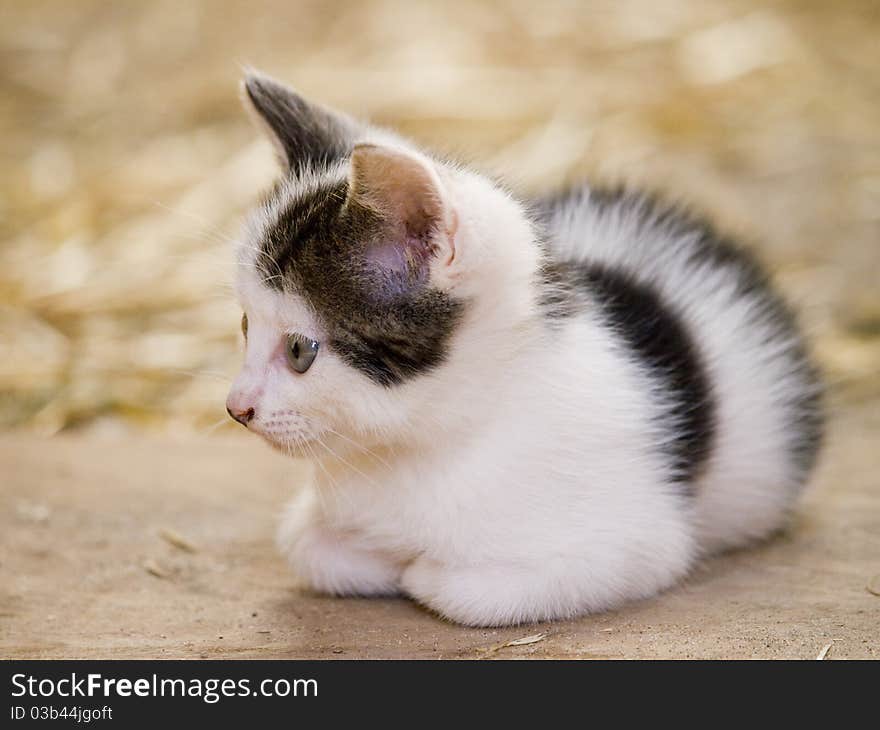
(529, 415)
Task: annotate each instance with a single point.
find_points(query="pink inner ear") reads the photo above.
(401, 188)
(402, 265)
(388, 257)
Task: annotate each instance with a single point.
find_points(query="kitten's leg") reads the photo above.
(498, 594)
(484, 595)
(330, 561)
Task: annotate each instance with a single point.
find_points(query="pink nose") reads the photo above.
(243, 417)
(243, 399)
(240, 405)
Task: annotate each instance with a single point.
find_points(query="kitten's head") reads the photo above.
(372, 279)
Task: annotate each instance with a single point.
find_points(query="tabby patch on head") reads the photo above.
(357, 242)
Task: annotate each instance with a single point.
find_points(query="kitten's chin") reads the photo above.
(298, 448)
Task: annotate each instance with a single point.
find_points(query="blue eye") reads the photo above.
(301, 352)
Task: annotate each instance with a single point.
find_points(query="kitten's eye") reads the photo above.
(244, 325)
(301, 352)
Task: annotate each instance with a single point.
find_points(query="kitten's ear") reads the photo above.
(304, 134)
(406, 191)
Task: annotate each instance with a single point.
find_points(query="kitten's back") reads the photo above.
(735, 387)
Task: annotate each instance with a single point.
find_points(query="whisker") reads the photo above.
(346, 463)
(322, 495)
(217, 236)
(201, 374)
(359, 446)
(208, 227)
(210, 429)
(262, 252)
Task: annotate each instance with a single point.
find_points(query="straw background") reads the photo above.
(127, 162)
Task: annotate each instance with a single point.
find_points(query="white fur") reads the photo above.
(519, 481)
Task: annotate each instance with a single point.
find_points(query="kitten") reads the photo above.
(516, 412)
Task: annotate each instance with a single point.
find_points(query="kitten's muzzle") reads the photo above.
(243, 417)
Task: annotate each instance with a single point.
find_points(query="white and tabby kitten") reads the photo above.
(517, 412)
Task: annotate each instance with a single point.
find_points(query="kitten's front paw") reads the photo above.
(329, 562)
(483, 595)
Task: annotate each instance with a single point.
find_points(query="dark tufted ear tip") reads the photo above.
(249, 85)
(256, 85)
(304, 134)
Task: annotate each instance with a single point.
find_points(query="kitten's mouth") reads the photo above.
(288, 431)
(297, 443)
(315, 445)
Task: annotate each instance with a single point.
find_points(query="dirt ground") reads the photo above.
(127, 165)
(82, 574)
